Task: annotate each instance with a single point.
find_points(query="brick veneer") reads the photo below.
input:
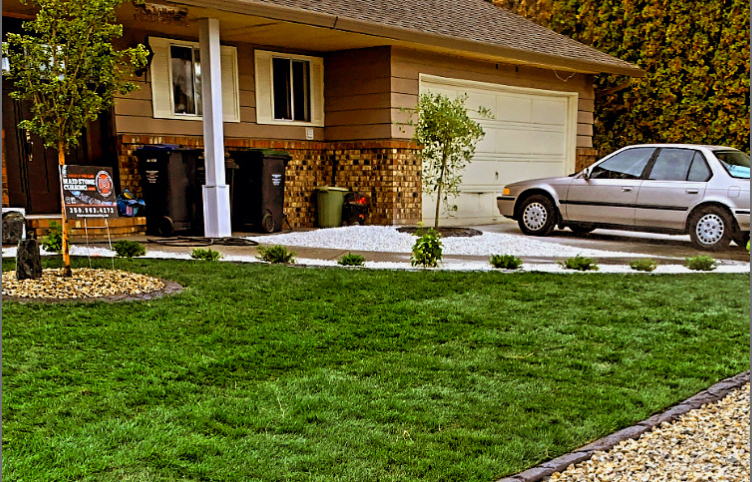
(387, 172)
(585, 157)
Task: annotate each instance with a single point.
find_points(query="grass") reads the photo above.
(271, 373)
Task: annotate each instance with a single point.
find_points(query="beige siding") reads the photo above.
(358, 96)
(134, 112)
(408, 65)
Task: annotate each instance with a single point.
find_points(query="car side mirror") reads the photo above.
(587, 173)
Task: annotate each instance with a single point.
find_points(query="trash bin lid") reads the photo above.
(158, 147)
(332, 189)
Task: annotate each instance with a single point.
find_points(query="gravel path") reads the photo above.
(389, 240)
(710, 444)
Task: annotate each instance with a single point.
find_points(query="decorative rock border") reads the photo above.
(170, 288)
(559, 464)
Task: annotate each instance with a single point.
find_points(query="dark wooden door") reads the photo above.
(33, 179)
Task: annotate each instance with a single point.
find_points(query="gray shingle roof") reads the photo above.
(474, 20)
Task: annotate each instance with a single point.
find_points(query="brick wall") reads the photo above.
(585, 157)
(387, 172)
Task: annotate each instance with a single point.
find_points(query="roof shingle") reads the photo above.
(473, 20)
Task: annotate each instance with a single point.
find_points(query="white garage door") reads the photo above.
(533, 134)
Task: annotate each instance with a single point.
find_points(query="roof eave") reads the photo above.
(325, 20)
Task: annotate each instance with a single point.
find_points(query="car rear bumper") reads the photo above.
(742, 218)
(506, 206)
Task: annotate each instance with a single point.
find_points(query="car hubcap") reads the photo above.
(710, 229)
(535, 216)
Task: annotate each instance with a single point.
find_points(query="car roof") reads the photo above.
(688, 146)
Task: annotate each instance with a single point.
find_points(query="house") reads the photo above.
(325, 80)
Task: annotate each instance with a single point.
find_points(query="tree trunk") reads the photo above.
(440, 184)
(67, 272)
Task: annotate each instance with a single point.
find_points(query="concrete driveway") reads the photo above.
(626, 241)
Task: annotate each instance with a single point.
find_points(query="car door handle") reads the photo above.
(693, 191)
(626, 189)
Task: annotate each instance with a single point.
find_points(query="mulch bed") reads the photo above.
(444, 232)
(87, 285)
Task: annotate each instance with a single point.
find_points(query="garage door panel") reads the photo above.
(552, 112)
(476, 100)
(514, 109)
(554, 143)
(528, 138)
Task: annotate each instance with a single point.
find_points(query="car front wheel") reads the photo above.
(711, 229)
(537, 216)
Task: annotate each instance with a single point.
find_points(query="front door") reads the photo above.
(676, 182)
(33, 179)
(609, 196)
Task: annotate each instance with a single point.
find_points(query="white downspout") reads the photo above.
(216, 192)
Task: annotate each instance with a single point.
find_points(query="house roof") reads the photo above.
(468, 25)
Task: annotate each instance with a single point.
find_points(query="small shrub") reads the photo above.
(646, 265)
(206, 254)
(129, 249)
(505, 261)
(276, 254)
(701, 263)
(53, 242)
(427, 251)
(579, 263)
(352, 260)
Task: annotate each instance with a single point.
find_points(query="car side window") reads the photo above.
(672, 165)
(628, 164)
(699, 172)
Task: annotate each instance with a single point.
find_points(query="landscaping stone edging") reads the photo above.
(170, 288)
(559, 464)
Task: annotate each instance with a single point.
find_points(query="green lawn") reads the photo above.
(267, 373)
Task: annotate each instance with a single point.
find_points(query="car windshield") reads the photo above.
(735, 162)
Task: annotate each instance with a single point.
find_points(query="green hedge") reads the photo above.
(696, 55)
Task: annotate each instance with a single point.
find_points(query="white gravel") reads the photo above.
(389, 240)
(448, 265)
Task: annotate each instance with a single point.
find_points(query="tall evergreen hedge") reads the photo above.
(696, 55)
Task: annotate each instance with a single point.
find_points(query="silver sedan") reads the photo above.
(664, 188)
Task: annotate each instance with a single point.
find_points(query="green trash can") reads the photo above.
(330, 200)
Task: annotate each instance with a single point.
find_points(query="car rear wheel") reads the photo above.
(537, 216)
(711, 229)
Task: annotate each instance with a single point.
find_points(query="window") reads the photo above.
(699, 171)
(628, 164)
(175, 75)
(289, 89)
(292, 89)
(186, 79)
(735, 162)
(672, 165)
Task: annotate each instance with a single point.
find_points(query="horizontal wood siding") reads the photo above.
(134, 112)
(407, 65)
(358, 94)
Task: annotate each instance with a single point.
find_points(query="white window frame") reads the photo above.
(164, 91)
(265, 88)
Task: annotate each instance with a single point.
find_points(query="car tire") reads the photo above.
(711, 228)
(581, 229)
(742, 239)
(537, 216)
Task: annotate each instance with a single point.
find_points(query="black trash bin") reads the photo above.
(258, 197)
(172, 179)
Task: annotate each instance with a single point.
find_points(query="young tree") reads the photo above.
(66, 65)
(448, 136)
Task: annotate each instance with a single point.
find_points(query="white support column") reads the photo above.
(216, 192)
